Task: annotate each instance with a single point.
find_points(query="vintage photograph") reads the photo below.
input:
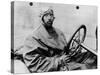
(50, 37)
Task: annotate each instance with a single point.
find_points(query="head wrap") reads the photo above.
(46, 11)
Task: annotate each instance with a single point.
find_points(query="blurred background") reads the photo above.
(68, 18)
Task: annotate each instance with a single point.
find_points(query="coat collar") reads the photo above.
(43, 32)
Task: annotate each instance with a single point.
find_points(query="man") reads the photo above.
(44, 50)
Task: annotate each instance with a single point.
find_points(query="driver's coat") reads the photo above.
(37, 62)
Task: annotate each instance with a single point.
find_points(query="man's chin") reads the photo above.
(49, 25)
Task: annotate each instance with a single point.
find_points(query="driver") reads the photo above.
(43, 50)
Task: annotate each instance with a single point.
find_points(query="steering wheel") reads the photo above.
(77, 38)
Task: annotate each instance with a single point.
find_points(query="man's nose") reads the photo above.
(49, 18)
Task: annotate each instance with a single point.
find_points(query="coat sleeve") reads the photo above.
(38, 62)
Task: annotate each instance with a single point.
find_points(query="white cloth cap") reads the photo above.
(46, 10)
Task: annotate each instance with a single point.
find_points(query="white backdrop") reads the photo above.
(67, 19)
(5, 35)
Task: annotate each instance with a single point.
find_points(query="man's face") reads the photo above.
(48, 19)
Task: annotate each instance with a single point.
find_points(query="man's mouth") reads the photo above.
(49, 22)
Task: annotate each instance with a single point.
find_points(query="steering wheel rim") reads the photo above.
(73, 38)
